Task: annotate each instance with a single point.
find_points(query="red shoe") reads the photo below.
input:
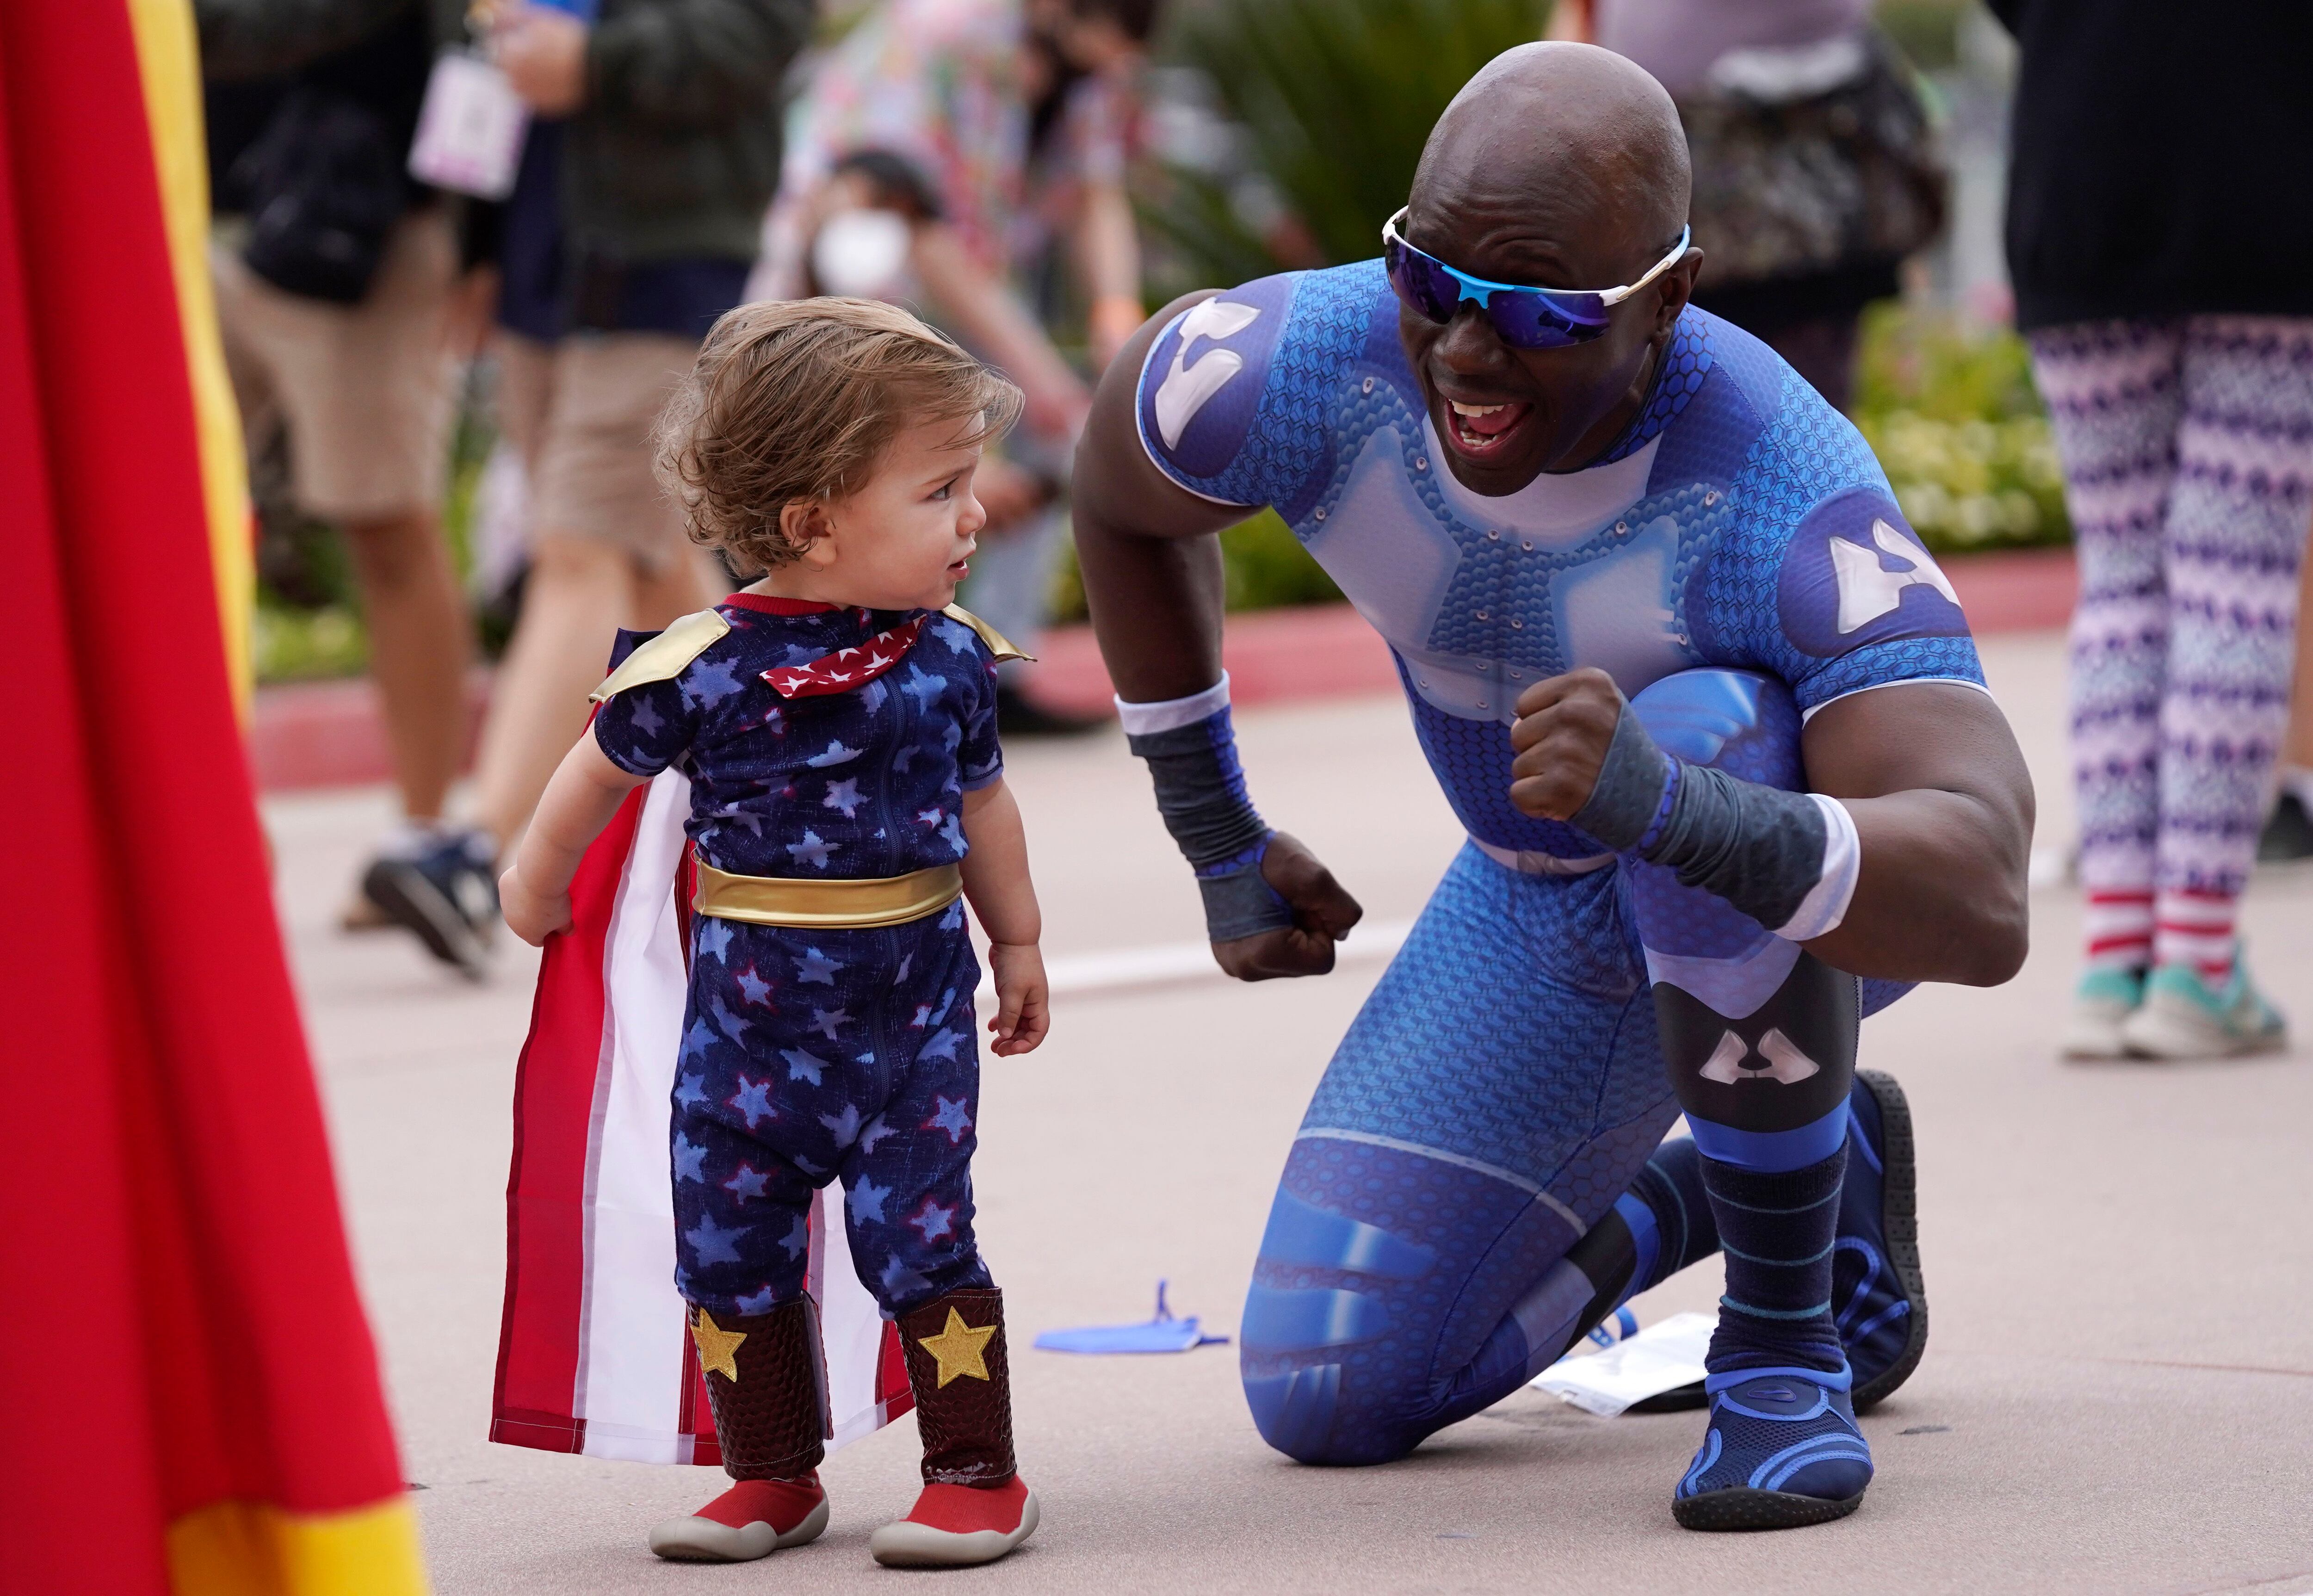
(951, 1526)
(753, 1519)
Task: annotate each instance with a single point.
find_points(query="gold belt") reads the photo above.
(825, 905)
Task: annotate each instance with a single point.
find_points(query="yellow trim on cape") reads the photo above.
(167, 63)
(253, 1548)
(825, 905)
(998, 643)
(662, 658)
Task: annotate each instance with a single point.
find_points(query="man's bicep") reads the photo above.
(1908, 736)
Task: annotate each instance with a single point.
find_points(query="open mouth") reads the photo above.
(960, 570)
(1479, 431)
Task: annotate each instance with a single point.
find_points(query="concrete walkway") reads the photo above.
(2118, 1397)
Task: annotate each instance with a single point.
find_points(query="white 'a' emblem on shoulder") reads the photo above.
(1186, 388)
(1866, 591)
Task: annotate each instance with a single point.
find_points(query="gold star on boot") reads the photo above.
(958, 1348)
(718, 1348)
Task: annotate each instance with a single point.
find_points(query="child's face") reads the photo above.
(901, 542)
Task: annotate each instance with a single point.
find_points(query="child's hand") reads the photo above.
(1023, 1010)
(535, 916)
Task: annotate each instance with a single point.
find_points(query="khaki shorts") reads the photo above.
(580, 413)
(367, 392)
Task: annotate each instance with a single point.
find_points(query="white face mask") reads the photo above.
(863, 254)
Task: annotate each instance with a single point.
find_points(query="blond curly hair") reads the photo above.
(795, 400)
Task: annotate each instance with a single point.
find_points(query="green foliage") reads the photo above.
(1928, 31)
(1266, 568)
(301, 645)
(1335, 98)
(1952, 414)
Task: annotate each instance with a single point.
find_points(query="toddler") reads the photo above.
(837, 722)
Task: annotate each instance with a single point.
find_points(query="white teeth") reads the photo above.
(1475, 409)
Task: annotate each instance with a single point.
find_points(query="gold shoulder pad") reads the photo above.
(998, 643)
(664, 657)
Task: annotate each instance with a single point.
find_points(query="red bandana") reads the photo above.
(847, 668)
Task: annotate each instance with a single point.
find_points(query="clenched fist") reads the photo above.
(1322, 914)
(1563, 729)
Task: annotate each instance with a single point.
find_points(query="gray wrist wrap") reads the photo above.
(1200, 794)
(1241, 904)
(1759, 848)
(1201, 789)
(1632, 782)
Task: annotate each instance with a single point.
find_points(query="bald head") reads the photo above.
(1560, 158)
(1559, 166)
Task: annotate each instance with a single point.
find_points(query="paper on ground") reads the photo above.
(1660, 1358)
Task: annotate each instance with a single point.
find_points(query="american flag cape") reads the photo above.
(594, 1352)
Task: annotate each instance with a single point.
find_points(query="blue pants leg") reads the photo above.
(1448, 1224)
(1498, 1092)
(811, 1056)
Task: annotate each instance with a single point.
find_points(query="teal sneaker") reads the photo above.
(2101, 1004)
(2182, 1019)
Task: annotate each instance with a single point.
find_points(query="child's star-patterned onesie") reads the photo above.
(822, 1054)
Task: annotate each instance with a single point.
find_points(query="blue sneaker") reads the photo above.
(442, 887)
(1782, 1451)
(1877, 1297)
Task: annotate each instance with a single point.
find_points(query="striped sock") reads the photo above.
(1776, 1231)
(2120, 928)
(2195, 927)
(1668, 1214)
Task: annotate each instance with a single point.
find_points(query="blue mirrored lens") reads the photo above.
(1529, 321)
(1423, 283)
(1524, 318)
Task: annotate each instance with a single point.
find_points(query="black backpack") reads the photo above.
(324, 186)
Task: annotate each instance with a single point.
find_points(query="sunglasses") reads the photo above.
(1526, 317)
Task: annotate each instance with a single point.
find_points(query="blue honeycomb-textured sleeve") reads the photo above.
(1817, 578)
(1238, 397)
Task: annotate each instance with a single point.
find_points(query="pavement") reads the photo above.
(2118, 1395)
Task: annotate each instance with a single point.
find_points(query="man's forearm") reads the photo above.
(1905, 860)
(1155, 608)
(1943, 811)
(1940, 896)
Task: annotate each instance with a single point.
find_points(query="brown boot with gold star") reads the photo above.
(974, 1507)
(763, 1383)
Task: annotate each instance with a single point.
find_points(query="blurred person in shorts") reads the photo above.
(959, 154)
(653, 149)
(341, 289)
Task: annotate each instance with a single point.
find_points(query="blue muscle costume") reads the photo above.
(1460, 1203)
(812, 1055)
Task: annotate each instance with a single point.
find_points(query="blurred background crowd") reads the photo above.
(449, 380)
